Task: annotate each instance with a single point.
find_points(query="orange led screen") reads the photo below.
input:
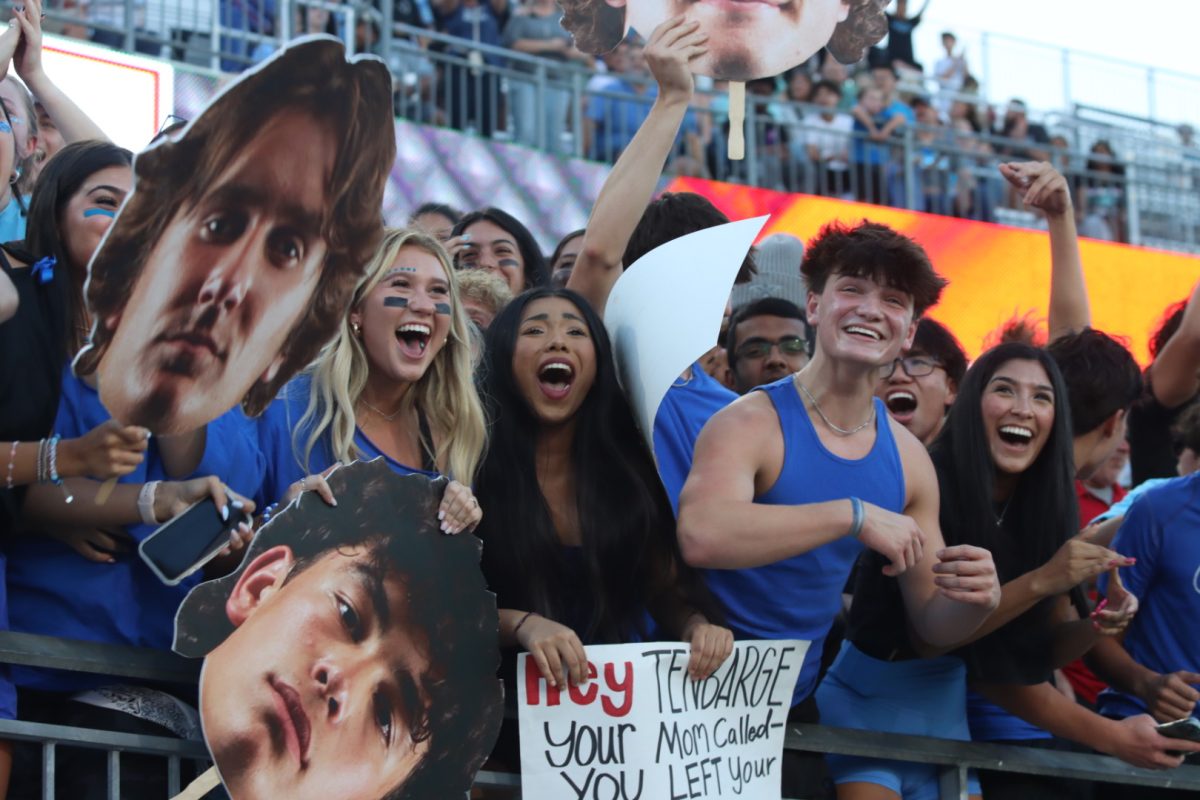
(995, 272)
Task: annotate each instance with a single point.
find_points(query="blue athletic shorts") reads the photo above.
(922, 697)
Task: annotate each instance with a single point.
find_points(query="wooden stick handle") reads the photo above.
(205, 783)
(737, 120)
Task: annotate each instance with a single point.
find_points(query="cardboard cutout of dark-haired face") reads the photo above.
(230, 277)
(747, 39)
(354, 653)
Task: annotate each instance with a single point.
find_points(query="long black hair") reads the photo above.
(1024, 532)
(629, 547)
(536, 273)
(61, 177)
(1042, 512)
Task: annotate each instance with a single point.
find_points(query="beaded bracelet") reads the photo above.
(12, 458)
(54, 478)
(41, 461)
(266, 517)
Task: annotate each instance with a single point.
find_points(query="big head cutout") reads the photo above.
(353, 654)
(747, 39)
(235, 257)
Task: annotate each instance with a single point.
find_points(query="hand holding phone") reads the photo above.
(189, 541)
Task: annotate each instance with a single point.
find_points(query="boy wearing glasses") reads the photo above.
(919, 388)
(767, 340)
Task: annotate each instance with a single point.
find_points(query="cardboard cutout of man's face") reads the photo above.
(354, 653)
(236, 255)
(747, 39)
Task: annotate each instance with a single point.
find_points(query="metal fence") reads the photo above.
(953, 758)
(1145, 194)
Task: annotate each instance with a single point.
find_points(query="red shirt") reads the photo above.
(1083, 680)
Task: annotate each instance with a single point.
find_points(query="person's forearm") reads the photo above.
(944, 623)
(1016, 597)
(622, 201)
(723, 535)
(1072, 640)
(1045, 707)
(1175, 373)
(1069, 309)
(72, 122)
(510, 618)
(1112, 664)
(46, 506)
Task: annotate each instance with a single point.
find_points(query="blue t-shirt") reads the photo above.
(1162, 531)
(685, 408)
(57, 592)
(283, 439)
(799, 597)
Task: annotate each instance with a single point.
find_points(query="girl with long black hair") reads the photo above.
(1005, 471)
(579, 538)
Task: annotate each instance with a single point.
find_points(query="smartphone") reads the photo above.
(189, 541)
(1186, 728)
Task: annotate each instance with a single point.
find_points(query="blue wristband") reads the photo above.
(859, 518)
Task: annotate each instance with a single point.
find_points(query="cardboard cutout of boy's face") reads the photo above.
(747, 39)
(354, 653)
(235, 257)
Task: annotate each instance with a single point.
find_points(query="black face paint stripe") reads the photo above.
(402, 302)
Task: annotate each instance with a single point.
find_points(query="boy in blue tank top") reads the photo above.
(791, 481)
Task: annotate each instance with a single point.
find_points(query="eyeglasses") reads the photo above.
(760, 348)
(914, 366)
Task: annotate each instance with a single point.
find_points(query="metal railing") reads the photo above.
(953, 758)
(565, 109)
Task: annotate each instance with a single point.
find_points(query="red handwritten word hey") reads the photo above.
(616, 696)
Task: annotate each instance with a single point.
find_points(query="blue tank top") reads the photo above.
(799, 597)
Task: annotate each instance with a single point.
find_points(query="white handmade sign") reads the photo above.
(642, 729)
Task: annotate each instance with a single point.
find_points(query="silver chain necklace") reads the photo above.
(825, 419)
(380, 413)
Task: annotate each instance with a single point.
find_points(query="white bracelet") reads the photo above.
(145, 503)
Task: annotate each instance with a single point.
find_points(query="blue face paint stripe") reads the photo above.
(442, 308)
(5, 127)
(99, 212)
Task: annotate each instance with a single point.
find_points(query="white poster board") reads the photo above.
(642, 729)
(665, 310)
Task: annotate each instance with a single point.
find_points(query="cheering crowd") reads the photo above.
(842, 469)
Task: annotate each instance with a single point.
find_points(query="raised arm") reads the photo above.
(1175, 373)
(738, 456)
(75, 125)
(631, 184)
(948, 603)
(1046, 189)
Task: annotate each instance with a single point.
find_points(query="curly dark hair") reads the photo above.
(314, 77)
(863, 27)
(596, 26)
(875, 251)
(463, 698)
